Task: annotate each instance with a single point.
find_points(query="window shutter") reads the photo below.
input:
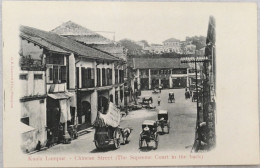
(63, 74)
(89, 73)
(50, 74)
(77, 74)
(82, 76)
(92, 73)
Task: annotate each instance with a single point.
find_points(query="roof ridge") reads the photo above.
(73, 23)
(81, 27)
(73, 42)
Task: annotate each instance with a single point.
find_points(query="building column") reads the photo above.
(112, 91)
(138, 79)
(101, 80)
(113, 74)
(94, 106)
(95, 73)
(72, 72)
(160, 81)
(80, 78)
(188, 83)
(150, 79)
(118, 75)
(170, 81)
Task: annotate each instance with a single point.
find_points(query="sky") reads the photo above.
(153, 22)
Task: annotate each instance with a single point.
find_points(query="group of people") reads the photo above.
(187, 94)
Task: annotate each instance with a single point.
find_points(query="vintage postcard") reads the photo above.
(129, 84)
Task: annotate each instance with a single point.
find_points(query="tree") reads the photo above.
(146, 44)
(198, 41)
(131, 46)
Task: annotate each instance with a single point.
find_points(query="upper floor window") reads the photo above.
(37, 76)
(179, 71)
(23, 77)
(116, 76)
(87, 77)
(56, 74)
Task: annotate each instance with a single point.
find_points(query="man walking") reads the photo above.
(159, 100)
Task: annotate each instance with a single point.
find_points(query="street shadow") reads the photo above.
(146, 149)
(105, 149)
(161, 133)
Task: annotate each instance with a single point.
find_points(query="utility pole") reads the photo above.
(196, 73)
(195, 60)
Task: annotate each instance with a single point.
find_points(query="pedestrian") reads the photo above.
(160, 88)
(159, 100)
(38, 146)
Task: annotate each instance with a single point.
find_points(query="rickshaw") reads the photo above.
(163, 120)
(149, 133)
(107, 129)
(194, 96)
(156, 90)
(107, 135)
(147, 102)
(171, 98)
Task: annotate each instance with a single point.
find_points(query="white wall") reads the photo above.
(36, 111)
(32, 87)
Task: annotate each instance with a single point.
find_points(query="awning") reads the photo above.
(112, 118)
(58, 96)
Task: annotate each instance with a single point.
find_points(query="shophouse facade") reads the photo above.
(64, 82)
(108, 73)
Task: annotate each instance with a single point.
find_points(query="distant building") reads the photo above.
(172, 45)
(152, 72)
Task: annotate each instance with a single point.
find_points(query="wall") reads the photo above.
(32, 87)
(36, 111)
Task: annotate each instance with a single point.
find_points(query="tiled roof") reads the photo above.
(145, 63)
(115, 50)
(80, 33)
(66, 44)
(71, 28)
(90, 39)
(42, 43)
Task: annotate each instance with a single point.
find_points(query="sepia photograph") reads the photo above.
(110, 83)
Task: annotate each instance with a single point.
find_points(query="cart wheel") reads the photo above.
(156, 141)
(97, 145)
(117, 137)
(140, 143)
(168, 127)
(117, 143)
(123, 140)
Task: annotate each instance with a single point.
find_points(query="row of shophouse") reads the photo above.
(168, 72)
(64, 81)
(172, 45)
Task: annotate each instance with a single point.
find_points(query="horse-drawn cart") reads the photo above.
(107, 129)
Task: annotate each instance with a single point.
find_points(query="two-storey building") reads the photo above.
(155, 71)
(79, 80)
